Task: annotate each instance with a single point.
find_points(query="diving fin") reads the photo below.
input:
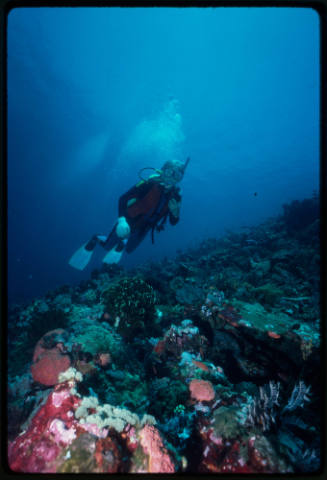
(113, 256)
(102, 238)
(81, 258)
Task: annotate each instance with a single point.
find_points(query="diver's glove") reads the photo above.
(174, 207)
(122, 229)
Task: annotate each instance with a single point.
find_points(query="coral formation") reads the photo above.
(90, 412)
(152, 444)
(47, 369)
(131, 303)
(206, 363)
(201, 390)
(49, 358)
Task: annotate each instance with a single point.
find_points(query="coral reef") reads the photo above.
(201, 390)
(131, 303)
(159, 460)
(206, 363)
(49, 359)
(298, 215)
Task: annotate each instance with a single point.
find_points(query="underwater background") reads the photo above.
(96, 94)
(199, 353)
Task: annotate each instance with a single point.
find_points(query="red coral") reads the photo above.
(37, 449)
(50, 364)
(201, 390)
(107, 455)
(152, 444)
(224, 459)
(130, 437)
(245, 455)
(40, 347)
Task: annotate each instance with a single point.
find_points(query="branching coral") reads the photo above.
(131, 303)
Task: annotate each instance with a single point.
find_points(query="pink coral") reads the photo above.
(62, 435)
(95, 430)
(51, 429)
(159, 458)
(59, 397)
(48, 367)
(201, 390)
(49, 362)
(40, 346)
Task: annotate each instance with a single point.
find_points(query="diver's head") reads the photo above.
(172, 173)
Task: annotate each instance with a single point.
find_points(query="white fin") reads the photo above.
(80, 258)
(103, 238)
(112, 256)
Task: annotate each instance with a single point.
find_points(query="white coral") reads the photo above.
(108, 415)
(70, 374)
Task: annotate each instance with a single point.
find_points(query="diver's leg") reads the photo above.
(111, 240)
(135, 239)
(96, 239)
(115, 246)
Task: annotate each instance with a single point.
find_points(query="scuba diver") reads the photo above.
(146, 206)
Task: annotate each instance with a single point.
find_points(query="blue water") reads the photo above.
(95, 94)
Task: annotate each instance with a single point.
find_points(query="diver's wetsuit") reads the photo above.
(143, 206)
